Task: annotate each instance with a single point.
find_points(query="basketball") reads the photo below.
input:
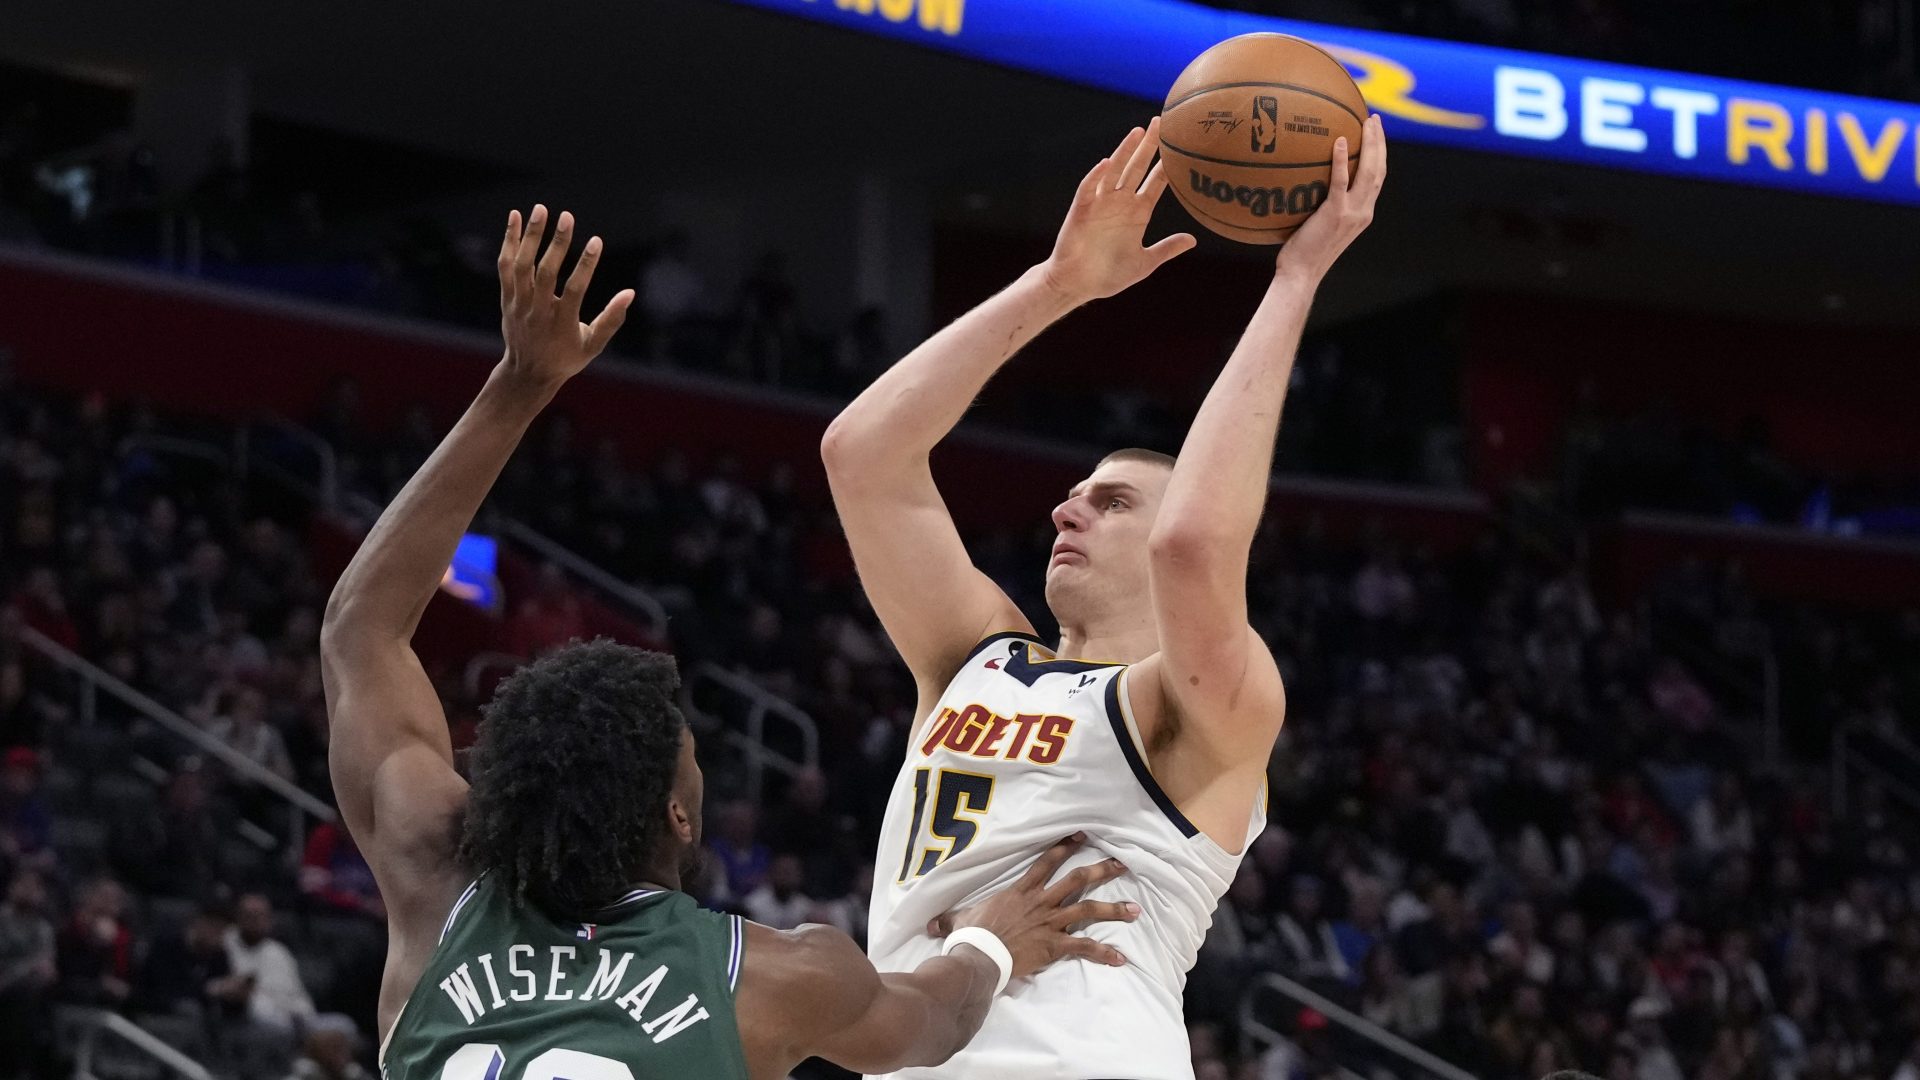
(1247, 134)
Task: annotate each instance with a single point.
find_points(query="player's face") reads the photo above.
(689, 793)
(1099, 556)
(689, 786)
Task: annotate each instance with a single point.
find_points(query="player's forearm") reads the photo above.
(386, 587)
(910, 408)
(950, 995)
(1219, 485)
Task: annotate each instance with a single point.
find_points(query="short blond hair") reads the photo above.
(1135, 453)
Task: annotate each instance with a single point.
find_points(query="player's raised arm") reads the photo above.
(1212, 668)
(815, 994)
(390, 754)
(934, 603)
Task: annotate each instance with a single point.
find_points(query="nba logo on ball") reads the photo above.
(1259, 184)
(1266, 124)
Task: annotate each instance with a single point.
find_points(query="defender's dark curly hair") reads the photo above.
(571, 774)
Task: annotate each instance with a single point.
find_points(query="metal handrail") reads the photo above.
(327, 488)
(480, 665)
(636, 598)
(1399, 1047)
(171, 444)
(1846, 757)
(752, 743)
(101, 1021)
(174, 722)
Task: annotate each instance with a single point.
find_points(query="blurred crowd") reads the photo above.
(1516, 826)
(1510, 825)
(146, 871)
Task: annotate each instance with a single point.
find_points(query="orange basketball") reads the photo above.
(1247, 134)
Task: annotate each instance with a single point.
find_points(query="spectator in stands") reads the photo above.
(43, 607)
(1305, 935)
(741, 857)
(328, 1055)
(671, 290)
(278, 999)
(24, 714)
(27, 976)
(781, 901)
(96, 949)
(861, 353)
(549, 616)
(243, 726)
(336, 876)
(176, 852)
(26, 825)
(187, 973)
(767, 313)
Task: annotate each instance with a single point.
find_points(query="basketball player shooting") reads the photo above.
(536, 926)
(1150, 722)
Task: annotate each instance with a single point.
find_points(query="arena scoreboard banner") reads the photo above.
(1447, 93)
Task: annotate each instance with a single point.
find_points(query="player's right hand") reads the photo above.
(1035, 916)
(546, 341)
(1099, 252)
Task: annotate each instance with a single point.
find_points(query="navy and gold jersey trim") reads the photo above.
(987, 644)
(1139, 765)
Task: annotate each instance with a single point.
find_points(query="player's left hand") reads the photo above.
(1347, 211)
(546, 340)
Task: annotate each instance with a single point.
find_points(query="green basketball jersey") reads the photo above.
(646, 993)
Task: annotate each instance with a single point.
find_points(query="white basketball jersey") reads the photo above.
(1022, 750)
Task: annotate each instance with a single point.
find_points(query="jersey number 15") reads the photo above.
(960, 799)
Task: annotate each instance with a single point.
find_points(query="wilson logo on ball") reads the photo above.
(1261, 201)
(1266, 124)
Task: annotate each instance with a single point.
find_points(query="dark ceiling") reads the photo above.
(662, 91)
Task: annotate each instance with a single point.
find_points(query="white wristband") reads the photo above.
(983, 939)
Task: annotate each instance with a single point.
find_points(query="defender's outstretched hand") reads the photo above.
(1347, 211)
(1099, 251)
(545, 338)
(1036, 917)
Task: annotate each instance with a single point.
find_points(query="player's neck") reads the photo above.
(1126, 641)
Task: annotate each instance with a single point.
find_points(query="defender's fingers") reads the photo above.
(609, 322)
(1050, 861)
(1141, 158)
(549, 271)
(509, 245)
(941, 926)
(582, 275)
(1088, 949)
(529, 247)
(1090, 911)
(1080, 879)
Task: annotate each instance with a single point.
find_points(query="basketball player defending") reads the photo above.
(536, 927)
(1149, 725)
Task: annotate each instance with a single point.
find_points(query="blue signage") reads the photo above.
(1449, 94)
